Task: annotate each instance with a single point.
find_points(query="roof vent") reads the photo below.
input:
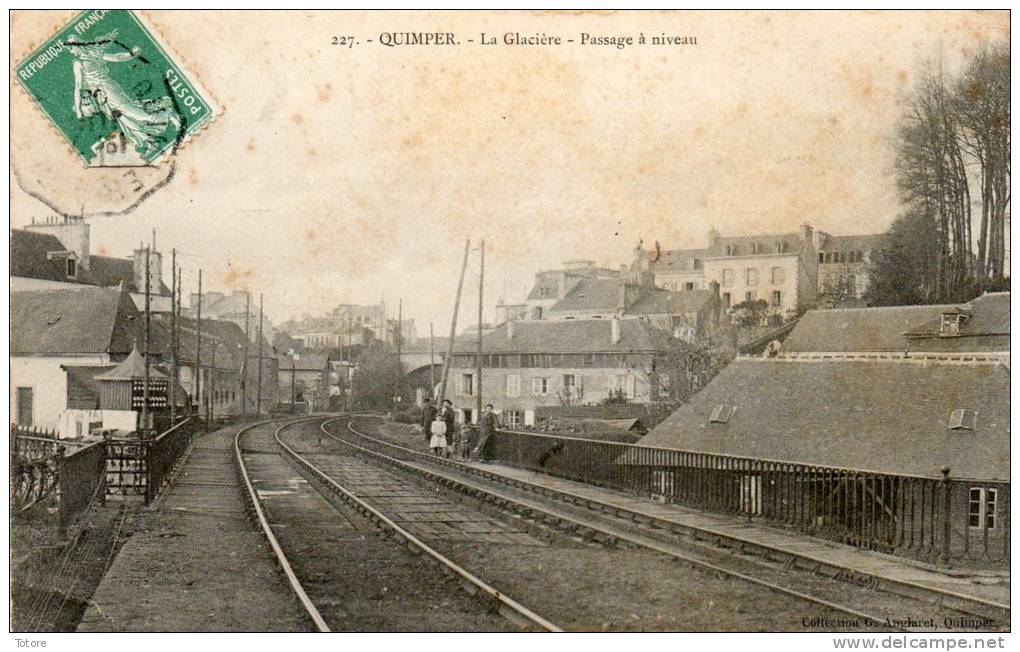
(962, 419)
(721, 414)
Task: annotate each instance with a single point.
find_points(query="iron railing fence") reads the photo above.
(931, 518)
(82, 479)
(163, 454)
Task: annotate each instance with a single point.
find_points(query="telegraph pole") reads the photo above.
(481, 286)
(453, 324)
(198, 349)
(293, 394)
(244, 366)
(145, 382)
(398, 336)
(432, 360)
(173, 337)
(258, 394)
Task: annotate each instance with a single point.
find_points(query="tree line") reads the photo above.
(953, 174)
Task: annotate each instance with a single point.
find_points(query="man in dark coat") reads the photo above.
(486, 428)
(428, 414)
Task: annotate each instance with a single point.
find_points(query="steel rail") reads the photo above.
(253, 500)
(962, 601)
(508, 606)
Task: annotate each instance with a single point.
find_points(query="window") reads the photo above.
(727, 278)
(24, 415)
(777, 298)
(696, 263)
(778, 275)
(981, 512)
(689, 285)
(731, 250)
(821, 257)
(513, 418)
(589, 360)
(751, 276)
(782, 247)
(951, 323)
(467, 384)
(754, 247)
(622, 384)
(569, 381)
(536, 312)
(721, 414)
(750, 296)
(513, 385)
(72, 268)
(726, 299)
(962, 419)
(539, 386)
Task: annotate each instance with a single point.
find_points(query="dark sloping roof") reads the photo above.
(73, 321)
(590, 294)
(662, 302)
(888, 417)
(857, 329)
(852, 242)
(573, 336)
(676, 260)
(767, 244)
(29, 256)
(30, 259)
(986, 315)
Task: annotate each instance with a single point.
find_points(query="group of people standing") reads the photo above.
(439, 426)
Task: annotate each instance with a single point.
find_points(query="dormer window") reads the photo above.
(72, 268)
(951, 322)
(721, 414)
(731, 249)
(781, 247)
(754, 247)
(962, 419)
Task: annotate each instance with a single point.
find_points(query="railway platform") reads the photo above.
(863, 565)
(194, 562)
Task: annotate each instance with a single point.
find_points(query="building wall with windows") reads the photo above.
(775, 278)
(522, 389)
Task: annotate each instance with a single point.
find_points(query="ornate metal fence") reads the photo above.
(164, 453)
(82, 479)
(926, 517)
(34, 466)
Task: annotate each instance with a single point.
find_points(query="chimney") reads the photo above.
(561, 285)
(623, 296)
(615, 323)
(72, 233)
(155, 271)
(806, 233)
(713, 237)
(510, 330)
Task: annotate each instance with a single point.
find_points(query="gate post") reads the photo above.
(947, 503)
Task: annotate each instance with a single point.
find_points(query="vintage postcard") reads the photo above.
(511, 321)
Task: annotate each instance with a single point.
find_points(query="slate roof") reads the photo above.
(29, 259)
(225, 336)
(858, 329)
(766, 242)
(881, 416)
(987, 315)
(82, 386)
(677, 260)
(80, 320)
(591, 294)
(573, 336)
(662, 302)
(852, 242)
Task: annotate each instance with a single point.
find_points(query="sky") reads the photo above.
(349, 175)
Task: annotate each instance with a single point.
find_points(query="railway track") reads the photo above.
(265, 463)
(867, 602)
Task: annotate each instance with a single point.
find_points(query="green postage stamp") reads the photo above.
(113, 90)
